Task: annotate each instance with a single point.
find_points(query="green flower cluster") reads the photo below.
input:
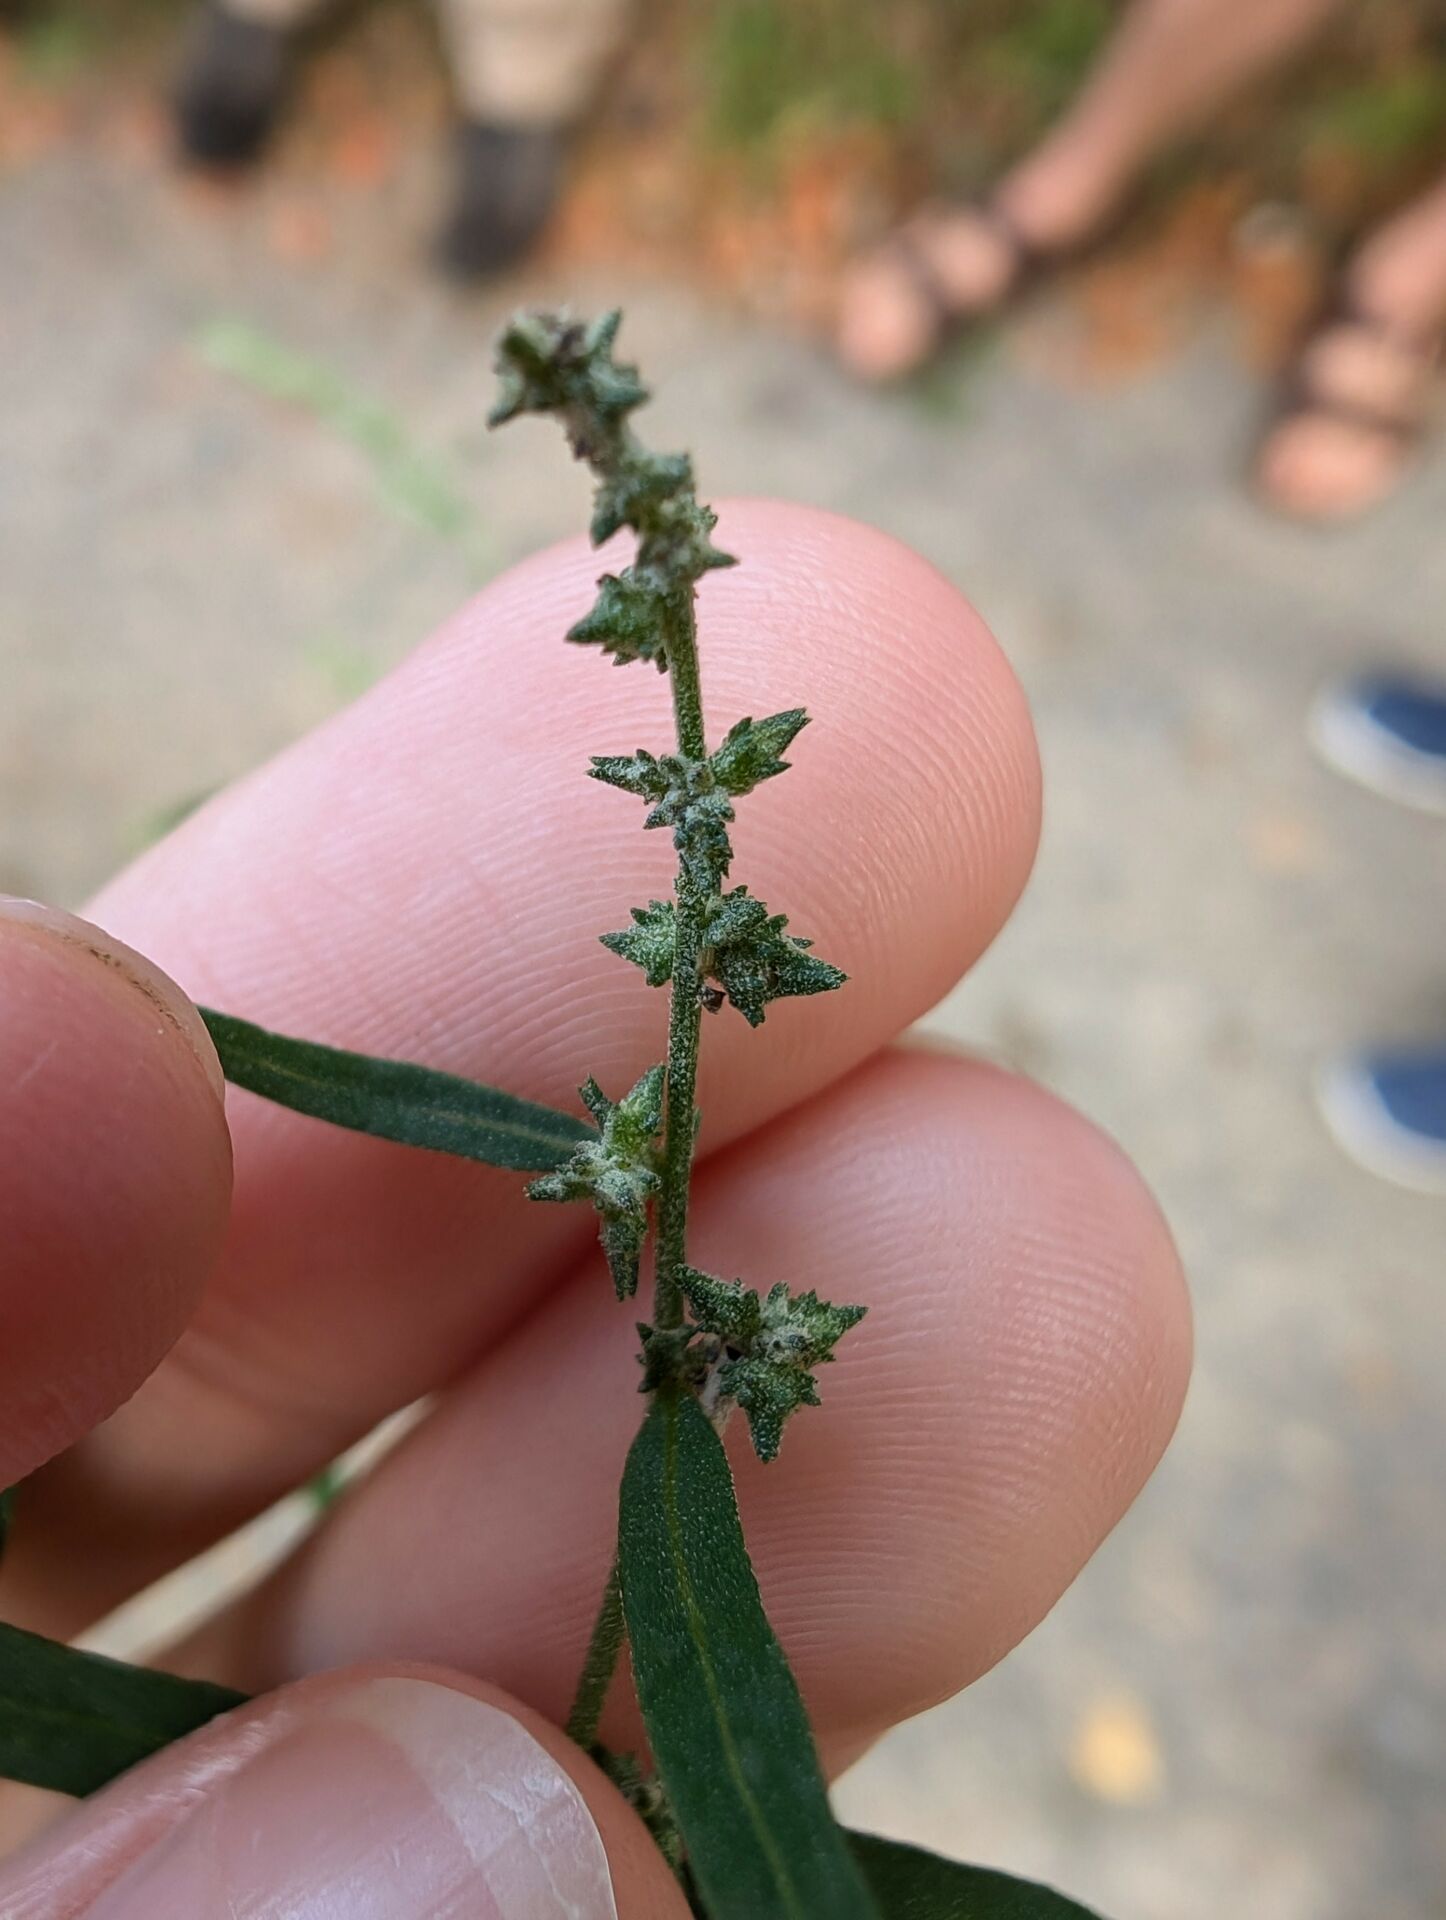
(767, 1347)
(618, 1172)
(695, 797)
(709, 943)
(549, 364)
(745, 952)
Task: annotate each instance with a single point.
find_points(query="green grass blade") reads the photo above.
(71, 1721)
(723, 1713)
(909, 1884)
(413, 482)
(394, 1099)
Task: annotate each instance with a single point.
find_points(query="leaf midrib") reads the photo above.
(518, 1129)
(731, 1756)
(268, 1057)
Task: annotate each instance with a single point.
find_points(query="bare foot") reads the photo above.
(1365, 396)
(1368, 382)
(953, 263)
(943, 265)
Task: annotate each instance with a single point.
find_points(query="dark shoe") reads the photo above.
(232, 86)
(507, 186)
(1388, 1110)
(1389, 732)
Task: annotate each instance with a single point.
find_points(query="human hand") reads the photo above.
(424, 877)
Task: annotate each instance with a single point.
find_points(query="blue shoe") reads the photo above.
(1388, 1110)
(1389, 732)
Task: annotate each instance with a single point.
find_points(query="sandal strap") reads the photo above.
(1301, 395)
(1427, 348)
(912, 253)
(1368, 419)
(912, 260)
(1026, 254)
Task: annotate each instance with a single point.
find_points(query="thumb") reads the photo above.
(115, 1175)
(370, 1795)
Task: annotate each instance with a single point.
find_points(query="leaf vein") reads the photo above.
(732, 1758)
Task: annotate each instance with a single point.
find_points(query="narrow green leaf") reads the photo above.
(71, 1721)
(723, 1713)
(910, 1884)
(394, 1099)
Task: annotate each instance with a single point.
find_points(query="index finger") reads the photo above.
(427, 876)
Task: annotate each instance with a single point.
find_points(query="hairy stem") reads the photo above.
(685, 1010)
(684, 1033)
(599, 1666)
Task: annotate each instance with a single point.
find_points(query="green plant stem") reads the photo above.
(599, 1666)
(685, 1014)
(685, 1010)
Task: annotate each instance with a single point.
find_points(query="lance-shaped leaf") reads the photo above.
(617, 1171)
(627, 620)
(751, 751)
(910, 1884)
(755, 961)
(649, 941)
(770, 1347)
(71, 1721)
(723, 1714)
(394, 1099)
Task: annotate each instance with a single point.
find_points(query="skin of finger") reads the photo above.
(427, 877)
(61, 1874)
(114, 1182)
(1019, 1373)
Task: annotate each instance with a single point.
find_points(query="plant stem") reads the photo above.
(685, 1010)
(598, 1668)
(685, 1015)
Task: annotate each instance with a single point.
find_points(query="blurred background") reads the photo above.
(243, 469)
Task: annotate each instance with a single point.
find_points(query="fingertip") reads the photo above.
(1072, 1394)
(918, 795)
(114, 1175)
(435, 1792)
(1018, 1375)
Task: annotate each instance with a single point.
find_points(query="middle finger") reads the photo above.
(427, 876)
(1017, 1376)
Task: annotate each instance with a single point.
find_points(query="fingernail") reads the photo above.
(164, 996)
(396, 1800)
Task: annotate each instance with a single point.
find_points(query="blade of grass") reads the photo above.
(413, 482)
